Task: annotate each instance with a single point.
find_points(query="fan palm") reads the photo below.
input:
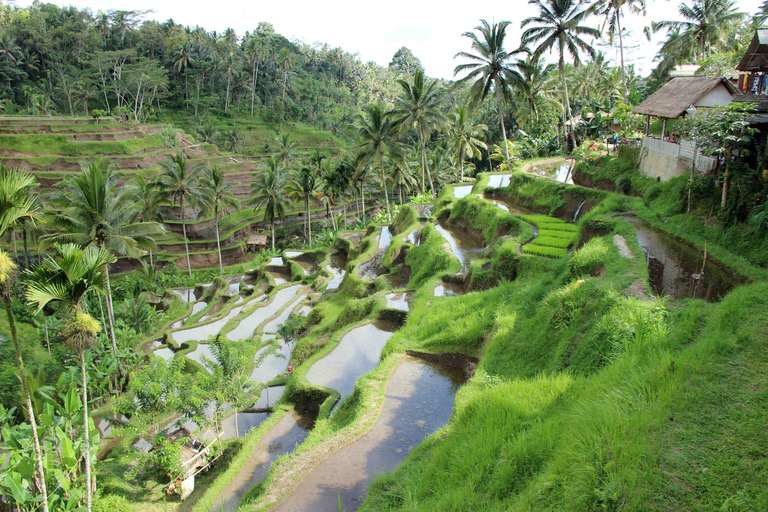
(16, 204)
(66, 278)
(490, 68)
(268, 190)
(96, 209)
(303, 185)
(378, 136)
(220, 197)
(559, 26)
(464, 136)
(182, 183)
(419, 108)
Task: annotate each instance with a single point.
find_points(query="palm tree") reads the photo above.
(149, 197)
(464, 136)
(267, 190)
(378, 135)
(703, 33)
(183, 59)
(67, 278)
(96, 209)
(286, 149)
(220, 197)
(17, 204)
(255, 51)
(613, 11)
(403, 177)
(558, 26)
(490, 69)
(231, 66)
(182, 183)
(287, 61)
(304, 185)
(419, 108)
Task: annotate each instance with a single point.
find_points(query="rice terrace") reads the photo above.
(241, 272)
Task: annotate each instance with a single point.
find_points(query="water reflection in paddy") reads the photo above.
(418, 401)
(561, 172)
(337, 267)
(400, 301)
(357, 353)
(248, 325)
(385, 238)
(463, 247)
(447, 289)
(202, 332)
(463, 191)
(499, 180)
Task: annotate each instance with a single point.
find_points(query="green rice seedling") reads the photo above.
(551, 241)
(543, 250)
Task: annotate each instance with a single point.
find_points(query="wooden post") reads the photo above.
(663, 128)
(647, 125)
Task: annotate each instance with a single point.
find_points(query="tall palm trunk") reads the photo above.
(28, 402)
(461, 163)
(110, 312)
(309, 224)
(621, 52)
(218, 243)
(186, 243)
(425, 163)
(26, 249)
(86, 437)
(386, 194)
(567, 111)
(362, 198)
(503, 129)
(13, 239)
(226, 100)
(272, 223)
(253, 87)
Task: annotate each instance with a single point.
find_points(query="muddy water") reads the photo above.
(283, 438)
(357, 354)
(448, 290)
(202, 332)
(385, 238)
(560, 172)
(400, 301)
(672, 265)
(248, 325)
(499, 180)
(337, 267)
(418, 401)
(280, 277)
(413, 236)
(463, 247)
(463, 191)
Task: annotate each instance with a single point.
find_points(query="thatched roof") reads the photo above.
(756, 56)
(257, 239)
(680, 93)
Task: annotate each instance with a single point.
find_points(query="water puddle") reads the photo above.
(463, 246)
(308, 264)
(449, 290)
(400, 301)
(203, 349)
(418, 401)
(280, 276)
(413, 237)
(283, 438)
(248, 325)
(337, 267)
(673, 267)
(357, 353)
(463, 191)
(385, 238)
(203, 332)
(560, 172)
(499, 180)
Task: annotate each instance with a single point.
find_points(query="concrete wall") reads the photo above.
(717, 96)
(667, 160)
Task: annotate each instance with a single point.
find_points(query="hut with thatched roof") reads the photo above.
(666, 157)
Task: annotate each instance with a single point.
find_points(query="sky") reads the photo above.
(376, 30)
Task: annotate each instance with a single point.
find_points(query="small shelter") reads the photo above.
(194, 459)
(663, 158)
(256, 242)
(753, 80)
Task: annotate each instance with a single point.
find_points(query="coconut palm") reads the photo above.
(97, 209)
(268, 190)
(378, 138)
(286, 149)
(220, 197)
(182, 183)
(559, 26)
(538, 90)
(303, 184)
(231, 69)
(464, 136)
(17, 204)
(255, 51)
(67, 277)
(419, 108)
(702, 33)
(287, 61)
(490, 68)
(149, 197)
(613, 11)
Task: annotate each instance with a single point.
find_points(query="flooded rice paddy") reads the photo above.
(463, 191)
(499, 180)
(465, 248)
(248, 325)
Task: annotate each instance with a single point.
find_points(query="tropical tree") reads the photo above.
(464, 136)
(268, 190)
(703, 32)
(220, 197)
(231, 70)
(490, 68)
(67, 277)
(97, 209)
(17, 204)
(287, 61)
(378, 138)
(255, 51)
(303, 185)
(149, 197)
(419, 108)
(286, 149)
(559, 26)
(538, 90)
(182, 183)
(613, 11)
(403, 177)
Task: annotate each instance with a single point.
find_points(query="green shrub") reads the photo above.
(629, 153)
(111, 503)
(623, 184)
